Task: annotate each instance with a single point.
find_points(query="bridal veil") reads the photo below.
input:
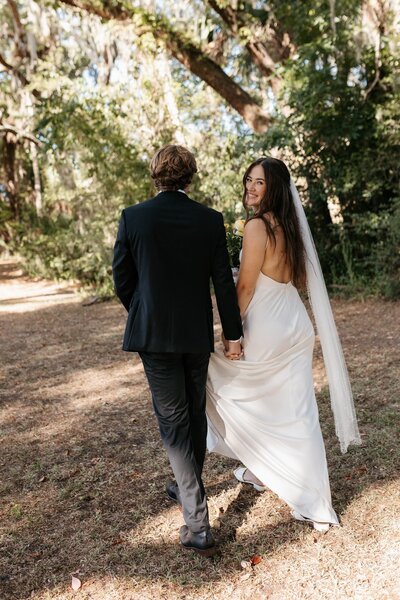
(339, 385)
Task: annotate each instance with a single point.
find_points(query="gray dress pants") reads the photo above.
(178, 385)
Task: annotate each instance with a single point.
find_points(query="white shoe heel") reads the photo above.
(321, 527)
(239, 473)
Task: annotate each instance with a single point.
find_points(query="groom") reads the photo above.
(167, 249)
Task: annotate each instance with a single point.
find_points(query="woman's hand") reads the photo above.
(233, 350)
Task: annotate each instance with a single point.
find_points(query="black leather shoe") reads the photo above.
(173, 493)
(203, 543)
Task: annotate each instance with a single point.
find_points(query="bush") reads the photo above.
(56, 249)
(363, 256)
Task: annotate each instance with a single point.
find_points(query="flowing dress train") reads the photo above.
(262, 409)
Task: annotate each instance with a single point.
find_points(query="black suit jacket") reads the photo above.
(167, 249)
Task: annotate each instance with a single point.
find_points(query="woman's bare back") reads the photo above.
(275, 263)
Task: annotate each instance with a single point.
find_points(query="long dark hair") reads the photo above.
(278, 201)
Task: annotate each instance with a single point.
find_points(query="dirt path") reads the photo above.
(83, 471)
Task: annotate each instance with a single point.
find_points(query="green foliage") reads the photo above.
(16, 512)
(388, 256)
(57, 248)
(336, 122)
(341, 136)
(87, 148)
(234, 245)
(91, 170)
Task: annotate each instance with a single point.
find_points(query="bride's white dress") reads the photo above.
(262, 410)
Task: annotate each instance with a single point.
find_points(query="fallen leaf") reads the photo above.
(216, 524)
(116, 542)
(255, 560)
(245, 576)
(76, 583)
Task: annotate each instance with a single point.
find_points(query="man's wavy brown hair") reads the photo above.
(172, 168)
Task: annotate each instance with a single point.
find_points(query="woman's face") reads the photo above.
(255, 187)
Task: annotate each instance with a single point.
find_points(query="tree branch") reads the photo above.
(17, 20)
(105, 10)
(14, 70)
(189, 55)
(264, 54)
(19, 75)
(6, 128)
(19, 33)
(379, 22)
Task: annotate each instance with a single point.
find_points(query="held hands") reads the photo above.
(232, 350)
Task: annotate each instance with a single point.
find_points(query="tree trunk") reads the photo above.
(10, 167)
(36, 176)
(164, 72)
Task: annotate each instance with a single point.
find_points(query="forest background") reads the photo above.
(89, 90)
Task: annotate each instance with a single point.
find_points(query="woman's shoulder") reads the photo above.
(254, 225)
(257, 225)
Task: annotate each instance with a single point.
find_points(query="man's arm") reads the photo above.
(225, 291)
(124, 268)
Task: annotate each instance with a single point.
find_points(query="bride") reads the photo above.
(261, 407)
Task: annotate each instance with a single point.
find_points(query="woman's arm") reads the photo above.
(253, 252)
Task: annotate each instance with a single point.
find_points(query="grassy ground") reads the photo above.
(83, 471)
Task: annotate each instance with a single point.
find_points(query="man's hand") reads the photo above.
(233, 350)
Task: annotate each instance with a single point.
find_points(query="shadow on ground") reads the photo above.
(83, 471)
